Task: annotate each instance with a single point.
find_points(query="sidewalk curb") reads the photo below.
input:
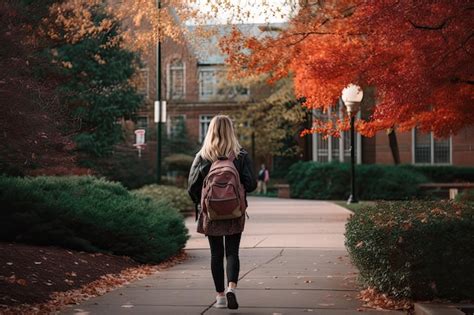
(437, 309)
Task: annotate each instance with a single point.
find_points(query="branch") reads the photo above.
(429, 27)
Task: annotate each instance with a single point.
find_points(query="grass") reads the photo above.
(354, 207)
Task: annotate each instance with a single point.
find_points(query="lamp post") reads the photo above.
(352, 96)
(158, 100)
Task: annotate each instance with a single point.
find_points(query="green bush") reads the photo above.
(331, 181)
(415, 249)
(179, 162)
(90, 214)
(466, 196)
(123, 166)
(444, 174)
(177, 198)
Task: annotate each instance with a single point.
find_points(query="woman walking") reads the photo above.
(223, 227)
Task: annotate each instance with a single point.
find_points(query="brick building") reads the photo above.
(193, 85)
(192, 74)
(414, 147)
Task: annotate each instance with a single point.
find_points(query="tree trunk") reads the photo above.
(392, 138)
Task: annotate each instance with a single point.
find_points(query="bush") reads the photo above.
(179, 162)
(466, 196)
(331, 181)
(90, 214)
(177, 198)
(124, 166)
(414, 249)
(444, 174)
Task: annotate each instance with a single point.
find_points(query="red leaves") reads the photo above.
(420, 65)
(376, 300)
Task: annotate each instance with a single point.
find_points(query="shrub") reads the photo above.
(124, 166)
(179, 162)
(310, 180)
(444, 174)
(90, 214)
(466, 196)
(177, 198)
(414, 249)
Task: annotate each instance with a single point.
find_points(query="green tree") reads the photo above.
(273, 120)
(96, 71)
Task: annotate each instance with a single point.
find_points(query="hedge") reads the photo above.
(177, 198)
(414, 249)
(90, 214)
(331, 181)
(443, 174)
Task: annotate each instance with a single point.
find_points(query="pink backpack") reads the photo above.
(223, 196)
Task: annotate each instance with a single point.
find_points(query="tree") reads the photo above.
(270, 121)
(96, 72)
(417, 54)
(33, 124)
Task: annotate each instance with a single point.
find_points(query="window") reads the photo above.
(333, 148)
(429, 150)
(143, 81)
(176, 126)
(206, 83)
(204, 121)
(213, 83)
(176, 80)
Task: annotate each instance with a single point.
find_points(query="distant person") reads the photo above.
(219, 180)
(263, 178)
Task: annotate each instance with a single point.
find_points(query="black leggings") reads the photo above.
(232, 243)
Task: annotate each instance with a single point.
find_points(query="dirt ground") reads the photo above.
(29, 274)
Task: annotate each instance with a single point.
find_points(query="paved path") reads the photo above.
(293, 261)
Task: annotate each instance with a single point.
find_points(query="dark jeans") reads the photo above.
(232, 243)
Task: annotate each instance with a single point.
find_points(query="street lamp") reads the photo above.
(352, 96)
(158, 103)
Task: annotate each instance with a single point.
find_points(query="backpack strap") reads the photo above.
(232, 156)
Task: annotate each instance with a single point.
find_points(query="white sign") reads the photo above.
(163, 111)
(139, 137)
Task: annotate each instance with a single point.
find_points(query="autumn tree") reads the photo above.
(417, 54)
(95, 70)
(271, 120)
(33, 124)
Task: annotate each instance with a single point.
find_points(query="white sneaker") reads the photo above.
(231, 299)
(221, 302)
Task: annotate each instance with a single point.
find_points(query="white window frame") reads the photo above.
(213, 72)
(340, 157)
(204, 118)
(432, 162)
(169, 67)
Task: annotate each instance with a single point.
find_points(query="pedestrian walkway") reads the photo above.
(293, 261)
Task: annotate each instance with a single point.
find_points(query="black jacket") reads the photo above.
(201, 167)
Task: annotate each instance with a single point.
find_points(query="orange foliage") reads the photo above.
(417, 54)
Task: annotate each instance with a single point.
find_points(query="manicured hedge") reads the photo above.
(90, 214)
(444, 174)
(310, 180)
(415, 249)
(177, 198)
(466, 196)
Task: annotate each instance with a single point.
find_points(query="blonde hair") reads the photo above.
(220, 139)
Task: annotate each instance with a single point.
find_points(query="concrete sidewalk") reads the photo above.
(293, 260)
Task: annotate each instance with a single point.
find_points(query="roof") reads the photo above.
(207, 49)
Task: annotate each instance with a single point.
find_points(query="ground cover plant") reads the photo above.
(176, 197)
